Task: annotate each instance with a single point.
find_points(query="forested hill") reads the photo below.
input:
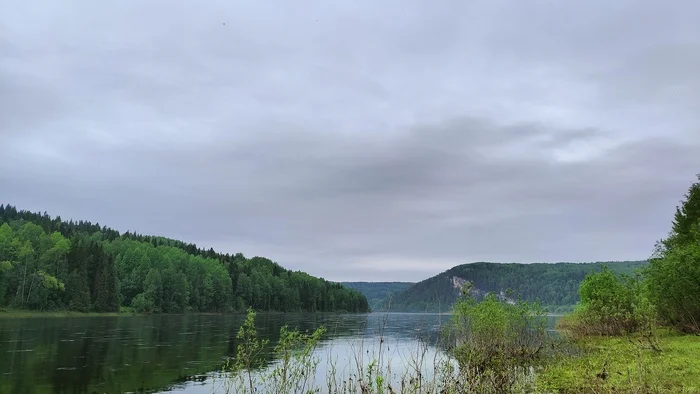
(555, 286)
(378, 293)
(47, 263)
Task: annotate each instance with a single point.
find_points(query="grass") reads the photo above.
(625, 365)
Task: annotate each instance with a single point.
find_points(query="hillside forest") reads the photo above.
(47, 263)
(554, 286)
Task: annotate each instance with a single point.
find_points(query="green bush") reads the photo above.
(607, 303)
(294, 371)
(142, 304)
(496, 340)
(610, 305)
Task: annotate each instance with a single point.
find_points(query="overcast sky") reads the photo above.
(357, 140)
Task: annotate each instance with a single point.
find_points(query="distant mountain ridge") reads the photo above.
(377, 293)
(554, 285)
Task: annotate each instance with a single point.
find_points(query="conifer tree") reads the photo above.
(674, 273)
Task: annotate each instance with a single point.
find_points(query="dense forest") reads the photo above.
(379, 294)
(555, 286)
(50, 264)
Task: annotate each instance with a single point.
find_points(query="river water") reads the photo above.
(182, 353)
(175, 353)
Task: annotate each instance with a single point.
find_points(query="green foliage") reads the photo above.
(296, 365)
(674, 272)
(640, 361)
(292, 373)
(610, 365)
(5, 275)
(610, 305)
(555, 286)
(605, 293)
(47, 293)
(496, 339)
(101, 270)
(248, 353)
(143, 304)
(607, 301)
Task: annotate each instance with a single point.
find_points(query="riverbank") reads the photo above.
(627, 365)
(22, 313)
(127, 311)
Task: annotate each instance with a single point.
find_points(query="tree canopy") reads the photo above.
(47, 264)
(674, 273)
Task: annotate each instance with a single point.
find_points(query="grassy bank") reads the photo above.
(22, 313)
(626, 365)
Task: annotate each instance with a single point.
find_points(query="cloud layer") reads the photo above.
(357, 140)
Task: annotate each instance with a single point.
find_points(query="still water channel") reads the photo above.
(179, 353)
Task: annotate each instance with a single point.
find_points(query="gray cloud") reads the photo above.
(357, 141)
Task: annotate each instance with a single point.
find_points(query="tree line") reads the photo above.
(47, 263)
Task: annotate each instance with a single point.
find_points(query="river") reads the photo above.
(181, 353)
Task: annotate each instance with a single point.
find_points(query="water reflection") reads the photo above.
(396, 340)
(152, 353)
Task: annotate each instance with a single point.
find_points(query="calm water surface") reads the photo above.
(173, 353)
(179, 353)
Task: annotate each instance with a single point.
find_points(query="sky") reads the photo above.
(357, 140)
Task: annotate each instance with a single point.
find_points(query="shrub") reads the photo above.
(142, 304)
(294, 371)
(297, 365)
(610, 305)
(497, 340)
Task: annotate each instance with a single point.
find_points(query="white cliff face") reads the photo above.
(458, 282)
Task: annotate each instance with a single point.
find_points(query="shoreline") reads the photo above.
(22, 313)
(14, 313)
